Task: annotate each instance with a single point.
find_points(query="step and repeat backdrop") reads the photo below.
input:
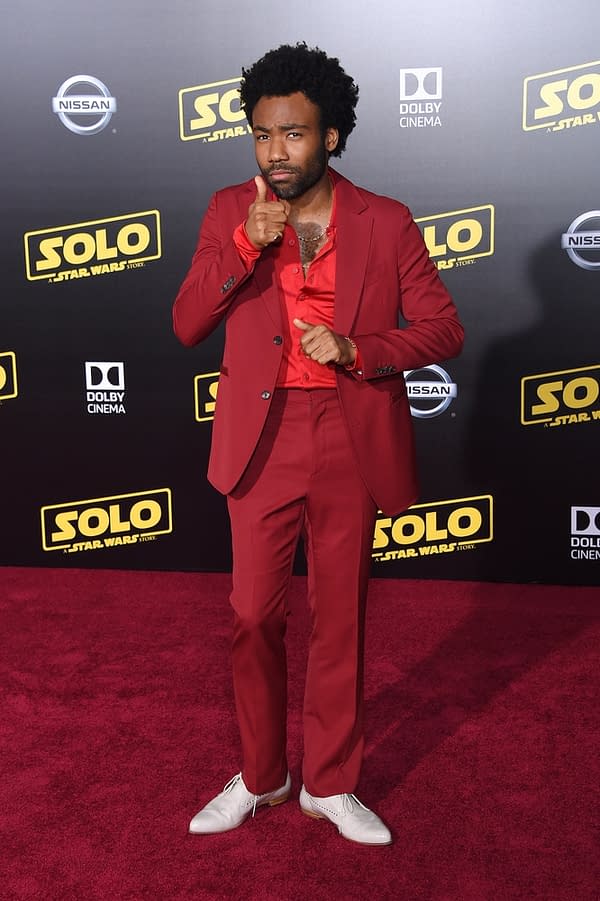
(119, 122)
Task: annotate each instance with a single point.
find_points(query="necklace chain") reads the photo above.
(314, 238)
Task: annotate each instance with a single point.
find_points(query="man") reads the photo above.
(312, 429)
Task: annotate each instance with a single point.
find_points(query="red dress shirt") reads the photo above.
(309, 298)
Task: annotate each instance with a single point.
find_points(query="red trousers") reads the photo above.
(302, 480)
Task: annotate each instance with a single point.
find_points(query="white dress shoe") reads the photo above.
(353, 820)
(233, 805)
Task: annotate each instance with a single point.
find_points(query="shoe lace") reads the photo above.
(349, 800)
(231, 785)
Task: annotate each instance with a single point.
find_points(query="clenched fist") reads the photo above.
(324, 346)
(266, 218)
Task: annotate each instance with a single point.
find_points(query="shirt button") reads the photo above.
(266, 395)
(305, 376)
(296, 270)
(277, 339)
(291, 242)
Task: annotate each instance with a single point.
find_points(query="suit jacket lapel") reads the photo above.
(354, 227)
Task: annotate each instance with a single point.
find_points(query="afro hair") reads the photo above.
(290, 69)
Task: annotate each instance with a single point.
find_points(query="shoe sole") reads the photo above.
(274, 801)
(319, 816)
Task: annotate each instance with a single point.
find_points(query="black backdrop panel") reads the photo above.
(118, 126)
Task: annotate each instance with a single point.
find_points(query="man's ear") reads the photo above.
(332, 137)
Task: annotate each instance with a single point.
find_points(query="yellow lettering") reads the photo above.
(64, 522)
(591, 80)
(115, 520)
(429, 236)
(152, 508)
(93, 521)
(51, 259)
(210, 406)
(104, 252)
(202, 105)
(70, 252)
(591, 390)
(140, 234)
(432, 531)
(474, 231)
(227, 113)
(549, 94)
(473, 523)
(546, 392)
(408, 529)
(381, 538)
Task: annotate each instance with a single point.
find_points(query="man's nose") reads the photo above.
(277, 150)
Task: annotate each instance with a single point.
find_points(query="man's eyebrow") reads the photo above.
(286, 126)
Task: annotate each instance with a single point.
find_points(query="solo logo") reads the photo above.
(566, 397)
(73, 108)
(582, 240)
(105, 387)
(211, 112)
(564, 98)
(442, 527)
(420, 97)
(8, 375)
(106, 521)
(430, 391)
(460, 237)
(585, 533)
(97, 247)
(205, 396)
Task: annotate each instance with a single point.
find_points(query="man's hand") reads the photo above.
(266, 218)
(324, 346)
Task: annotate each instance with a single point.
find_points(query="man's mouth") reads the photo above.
(280, 174)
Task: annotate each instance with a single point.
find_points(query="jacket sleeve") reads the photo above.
(215, 275)
(432, 332)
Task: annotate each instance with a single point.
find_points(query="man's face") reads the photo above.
(291, 150)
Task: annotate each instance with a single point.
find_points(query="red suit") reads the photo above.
(362, 435)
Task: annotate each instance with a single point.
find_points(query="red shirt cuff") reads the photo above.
(245, 248)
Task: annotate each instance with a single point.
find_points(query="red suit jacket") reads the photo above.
(383, 272)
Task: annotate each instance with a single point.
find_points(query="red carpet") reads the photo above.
(482, 755)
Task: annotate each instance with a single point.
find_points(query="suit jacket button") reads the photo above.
(277, 339)
(266, 395)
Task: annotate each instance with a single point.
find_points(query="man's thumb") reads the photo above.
(261, 188)
(301, 324)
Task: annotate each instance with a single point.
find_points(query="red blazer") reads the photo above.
(383, 271)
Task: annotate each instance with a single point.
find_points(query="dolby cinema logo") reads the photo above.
(420, 98)
(585, 533)
(84, 105)
(582, 240)
(430, 391)
(105, 387)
